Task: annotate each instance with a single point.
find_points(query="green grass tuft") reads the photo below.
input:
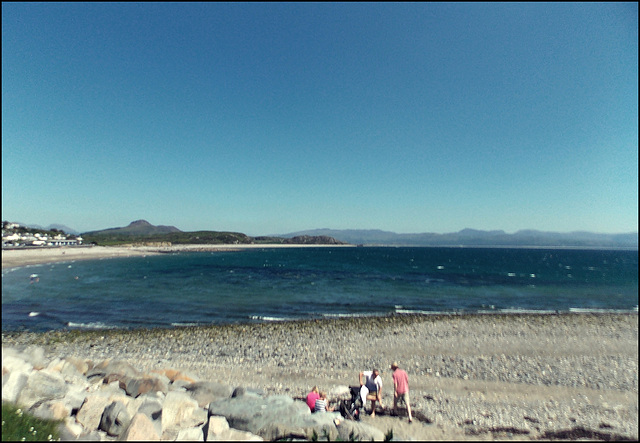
(18, 425)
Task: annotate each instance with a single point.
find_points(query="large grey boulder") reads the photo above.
(91, 411)
(42, 385)
(140, 428)
(36, 356)
(115, 419)
(69, 429)
(13, 362)
(13, 385)
(109, 367)
(218, 430)
(75, 397)
(180, 410)
(81, 365)
(152, 408)
(71, 374)
(51, 410)
(205, 392)
(190, 434)
(241, 390)
(272, 418)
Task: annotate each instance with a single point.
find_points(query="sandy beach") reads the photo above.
(476, 377)
(12, 258)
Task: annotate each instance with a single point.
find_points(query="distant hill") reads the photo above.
(141, 231)
(63, 228)
(59, 227)
(472, 237)
(138, 227)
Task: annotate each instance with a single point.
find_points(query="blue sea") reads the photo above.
(281, 284)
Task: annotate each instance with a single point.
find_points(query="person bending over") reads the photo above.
(371, 388)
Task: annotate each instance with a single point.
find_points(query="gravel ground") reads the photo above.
(471, 377)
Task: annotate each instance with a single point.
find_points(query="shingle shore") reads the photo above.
(530, 376)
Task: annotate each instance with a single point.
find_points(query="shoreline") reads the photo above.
(16, 258)
(471, 377)
(20, 257)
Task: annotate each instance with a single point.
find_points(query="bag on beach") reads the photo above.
(350, 408)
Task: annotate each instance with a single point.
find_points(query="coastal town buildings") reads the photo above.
(15, 235)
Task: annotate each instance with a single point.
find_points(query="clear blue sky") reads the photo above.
(273, 118)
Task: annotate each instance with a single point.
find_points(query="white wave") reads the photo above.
(602, 311)
(33, 314)
(184, 325)
(525, 311)
(354, 315)
(96, 325)
(420, 312)
(267, 318)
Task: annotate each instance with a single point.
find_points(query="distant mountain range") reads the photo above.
(473, 237)
(467, 237)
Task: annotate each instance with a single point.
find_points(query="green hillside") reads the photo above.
(141, 232)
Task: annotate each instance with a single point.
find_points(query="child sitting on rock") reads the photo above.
(322, 405)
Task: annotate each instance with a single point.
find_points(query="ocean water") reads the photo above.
(279, 284)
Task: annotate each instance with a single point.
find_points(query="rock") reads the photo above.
(178, 410)
(82, 366)
(235, 435)
(178, 385)
(138, 386)
(51, 410)
(216, 427)
(71, 373)
(70, 429)
(108, 367)
(13, 385)
(118, 379)
(141, 428)
(75, 398)
(272, 418)
(14, 363)
(239, 391)
(206, 392)
(91, 436)
(175, 375)
(152, 408)
(190, 434)
(35, 356)
(115, 419)
(42, 385)
(91, 411)
(349, 430)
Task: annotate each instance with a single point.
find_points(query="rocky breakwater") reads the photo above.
(112, 400)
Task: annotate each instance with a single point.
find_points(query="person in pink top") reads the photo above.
(401, 388)
(312, 397)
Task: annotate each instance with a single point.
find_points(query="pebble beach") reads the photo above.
(475, 377)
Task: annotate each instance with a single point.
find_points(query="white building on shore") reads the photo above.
(11, 238)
